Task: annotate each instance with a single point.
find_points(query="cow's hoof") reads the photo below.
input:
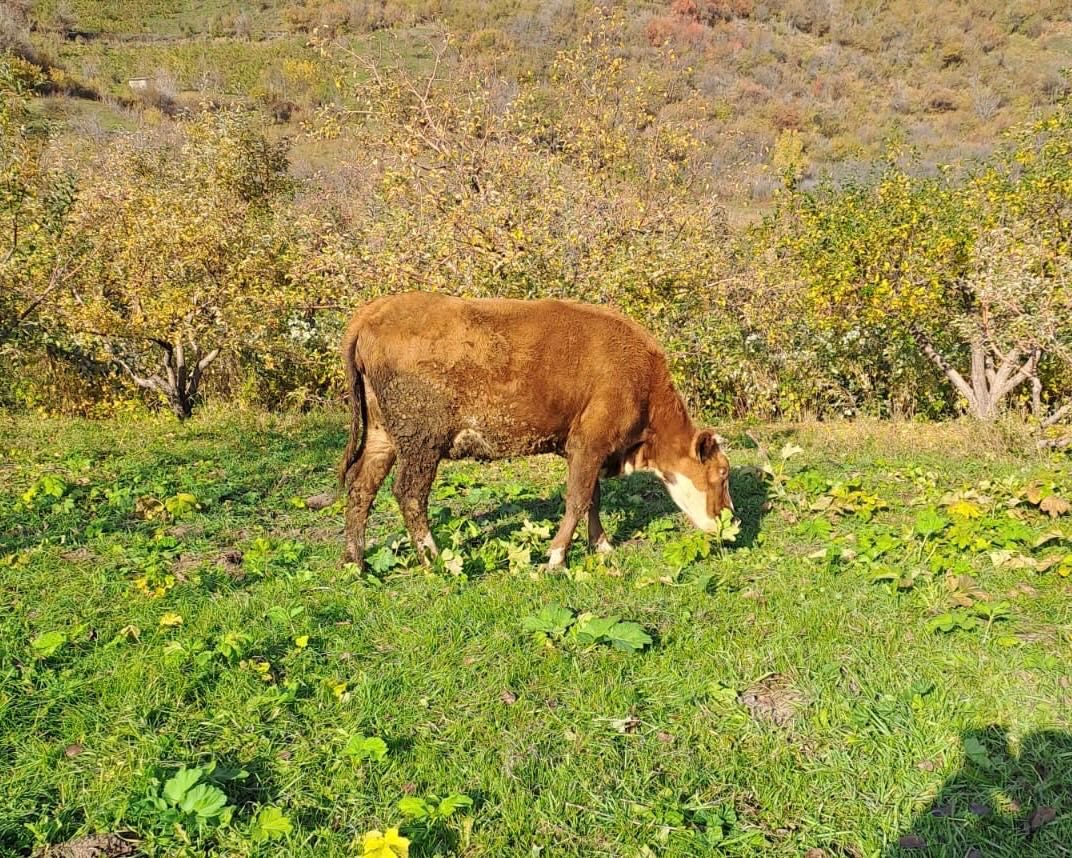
(604, 546)
(556, 558)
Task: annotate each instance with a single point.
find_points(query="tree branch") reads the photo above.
(939, 361)
(1055, 418)
(1026, 371)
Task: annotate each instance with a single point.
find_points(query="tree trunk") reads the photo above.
(988, 384)
(178, 383)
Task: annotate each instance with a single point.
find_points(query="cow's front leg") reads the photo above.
(580, 487)
(597, 536)
(413, 483)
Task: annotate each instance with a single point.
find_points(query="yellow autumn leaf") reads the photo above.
(386, 844)
(301, 641)
(965, 509)
(171, 619)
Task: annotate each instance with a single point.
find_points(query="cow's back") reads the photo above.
(499, 377)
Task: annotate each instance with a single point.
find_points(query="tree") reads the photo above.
(33, 205)
(974, 272)
(180, 254)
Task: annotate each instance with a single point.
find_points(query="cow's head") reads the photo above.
(699, 480)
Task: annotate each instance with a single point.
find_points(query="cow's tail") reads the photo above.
(355, 386)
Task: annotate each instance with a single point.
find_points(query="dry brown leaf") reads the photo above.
(1042, 816)
(911, 841)
(1054, 506)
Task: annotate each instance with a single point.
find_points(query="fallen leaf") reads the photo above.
(1054, 506)
(925, 766)
(942, 810)
(628, 724)
(665, 738)
(508, 697)
(1042, 816)
(911, 841)
(73, 750)
(815, 852)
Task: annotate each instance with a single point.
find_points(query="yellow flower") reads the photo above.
(387, 844)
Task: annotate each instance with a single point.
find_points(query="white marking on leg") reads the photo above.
(689, 499)
(603, 546)
(556, 557)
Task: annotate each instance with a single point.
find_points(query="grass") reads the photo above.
(789, 700)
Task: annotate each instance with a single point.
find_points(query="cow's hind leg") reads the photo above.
(597, 536)
(580, 487)
(363, 480)
(413, 483)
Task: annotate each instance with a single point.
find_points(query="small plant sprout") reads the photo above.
(359, 747)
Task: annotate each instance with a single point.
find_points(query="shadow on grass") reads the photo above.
(620, 495)
(1001, 804)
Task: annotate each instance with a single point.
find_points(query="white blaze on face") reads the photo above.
(689, 499)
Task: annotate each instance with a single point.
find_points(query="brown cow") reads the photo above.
(434, 377)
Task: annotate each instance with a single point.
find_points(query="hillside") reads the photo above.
(852, 79)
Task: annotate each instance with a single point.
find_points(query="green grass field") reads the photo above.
(882, 659)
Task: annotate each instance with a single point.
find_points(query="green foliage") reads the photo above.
(553, 622)
(360, 747)
(305, 675)
(269, 824)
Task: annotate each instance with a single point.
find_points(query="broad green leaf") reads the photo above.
(413, 807)
(930, 522)
(628, 636)
(591, 629)
(553, 620)
(47, 644)
(270, 824)
(366, 747)
(976, 752)
(204, 800)
(453, 802)
(176, 786)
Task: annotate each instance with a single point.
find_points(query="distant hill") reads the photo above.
(839, 82)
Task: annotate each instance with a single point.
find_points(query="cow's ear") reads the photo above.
(704, 445)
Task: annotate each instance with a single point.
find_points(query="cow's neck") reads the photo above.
(669, 436)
